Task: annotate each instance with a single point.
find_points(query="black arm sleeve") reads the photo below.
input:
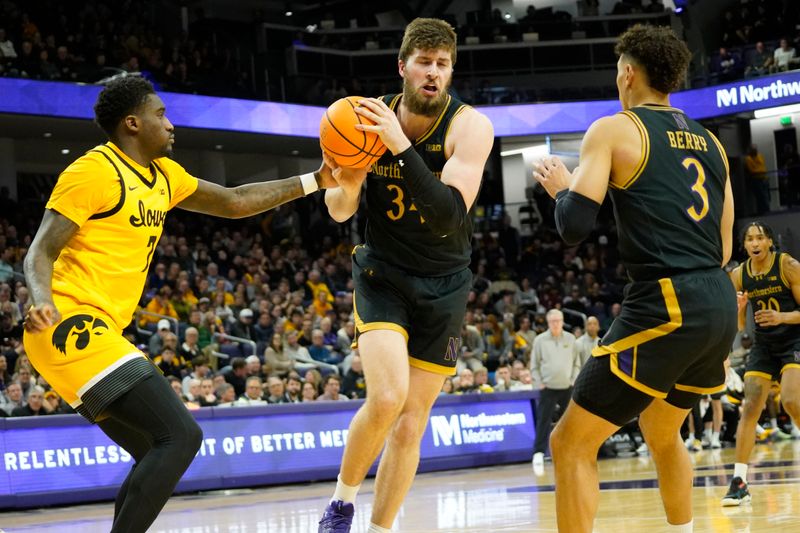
(442, 206)
(575, 216)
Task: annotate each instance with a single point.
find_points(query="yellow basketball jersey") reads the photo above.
(120, 208)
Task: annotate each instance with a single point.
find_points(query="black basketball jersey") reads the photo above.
(396, 232)
(771, 290)
(669, 211)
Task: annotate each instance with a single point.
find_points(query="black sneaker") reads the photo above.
(737, 494)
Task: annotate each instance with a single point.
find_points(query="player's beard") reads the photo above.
(419, 105)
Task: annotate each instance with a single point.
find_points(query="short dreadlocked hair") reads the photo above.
(765, 229)
(118, 99)
(659, 52)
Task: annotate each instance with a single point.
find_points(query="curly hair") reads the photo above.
(428, 34)
(120, 98)
(660, 52)
(765, 229)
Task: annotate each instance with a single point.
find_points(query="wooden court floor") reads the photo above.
(494, 499)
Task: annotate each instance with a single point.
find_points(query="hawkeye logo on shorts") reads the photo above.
(80, 326)
(453, 344)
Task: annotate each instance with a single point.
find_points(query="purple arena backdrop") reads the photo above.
(69, 100)
(64, 459)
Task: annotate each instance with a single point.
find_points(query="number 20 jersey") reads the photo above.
(771, 290)
(669, 211)
(119, 207)
(396, 231)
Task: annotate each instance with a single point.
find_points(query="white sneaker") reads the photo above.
(715, 443)
(795, 432)
(538, 459)
(689, 443)
(642, 449)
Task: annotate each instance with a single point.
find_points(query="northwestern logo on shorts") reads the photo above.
(453, 344)
(79, 327)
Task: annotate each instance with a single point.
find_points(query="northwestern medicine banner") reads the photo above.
(73, 461)
(70, 100)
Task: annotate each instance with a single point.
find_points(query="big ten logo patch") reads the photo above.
(453, 347)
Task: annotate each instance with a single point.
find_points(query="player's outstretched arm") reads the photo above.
(254, 198)
(54, 233)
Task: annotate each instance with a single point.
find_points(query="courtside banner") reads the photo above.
(71, 100)
(63, 459)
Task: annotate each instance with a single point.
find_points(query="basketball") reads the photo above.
(338, 136)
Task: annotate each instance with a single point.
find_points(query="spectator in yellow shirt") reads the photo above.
(159, 305)
(757, 178)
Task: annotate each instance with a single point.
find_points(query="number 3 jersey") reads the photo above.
(771, 290)
(120, 208)
(669, 211)
(396, 231)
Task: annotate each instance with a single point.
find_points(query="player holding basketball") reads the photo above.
(411, 277)
(86, 268)
(668, 179)
(771, 282)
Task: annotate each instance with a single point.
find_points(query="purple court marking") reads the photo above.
(70, 100)
(784, 477)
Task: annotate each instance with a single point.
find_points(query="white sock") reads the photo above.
(688, 527)
(691, 437)
(759, 430)
(377, 529)
(774, 423)
(740, 470)
(715, 436)
(346, 493)
(707, 434)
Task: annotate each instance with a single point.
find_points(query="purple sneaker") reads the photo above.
(338, 518)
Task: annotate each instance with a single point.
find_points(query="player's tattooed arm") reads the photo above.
(250, 199)
(54, 233)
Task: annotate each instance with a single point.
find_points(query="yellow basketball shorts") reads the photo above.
(86, 359)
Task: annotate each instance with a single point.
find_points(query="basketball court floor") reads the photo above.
(493, 499)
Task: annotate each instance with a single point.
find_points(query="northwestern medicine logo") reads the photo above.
(456, 430)
(750, 93)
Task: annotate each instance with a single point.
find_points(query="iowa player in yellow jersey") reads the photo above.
(668, 179)
(770, 282)
(86, 269)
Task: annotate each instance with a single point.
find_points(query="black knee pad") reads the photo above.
(603, 394)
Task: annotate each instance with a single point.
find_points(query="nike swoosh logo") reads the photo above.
(132, 188)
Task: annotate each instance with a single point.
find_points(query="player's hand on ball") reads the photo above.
(40, 317)
(349, 179)
(767, 317)
(551, 173)
(325, 178)
(386, 124)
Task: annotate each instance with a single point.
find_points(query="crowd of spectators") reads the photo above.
(92, 41)
(759, 37)
(215, 291)
(261, 305)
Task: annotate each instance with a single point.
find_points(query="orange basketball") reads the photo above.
(338, 136)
